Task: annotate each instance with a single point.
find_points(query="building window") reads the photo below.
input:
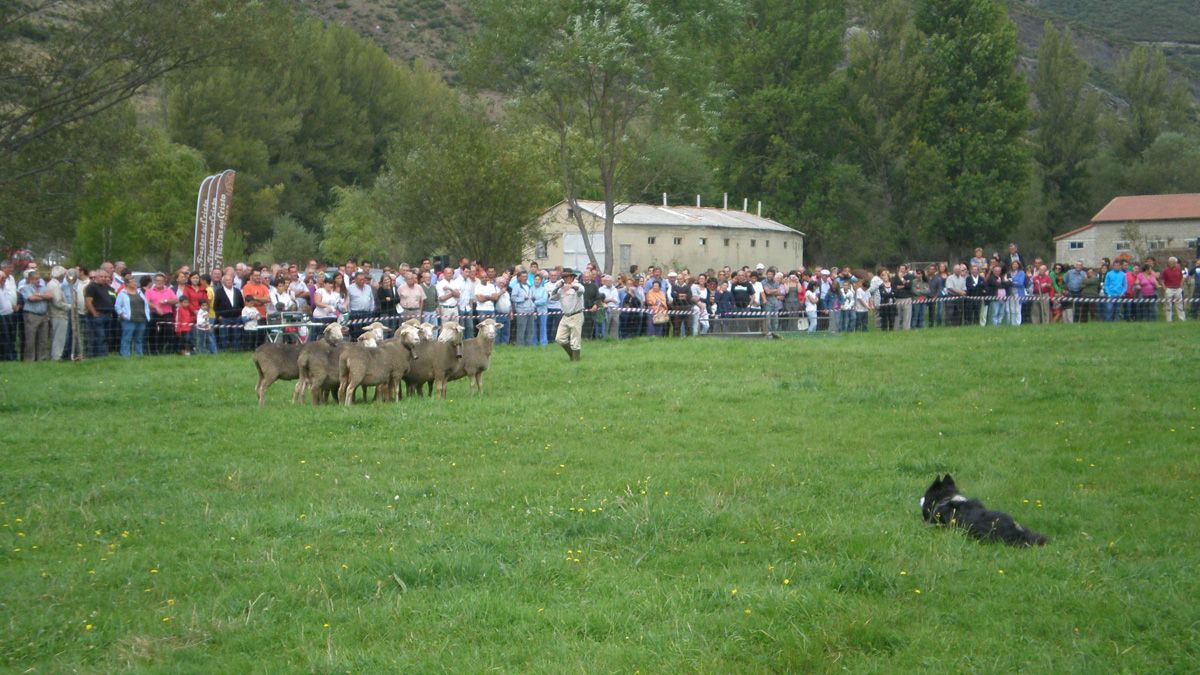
(726, 242)
(1189, 243)
(678, 240)
(543, 250)
(650, 240)
(1156, 244)
(766, 243)
(1075, 245)
(704, 241)
(785, 244)
(753, 243)
(1121, 245)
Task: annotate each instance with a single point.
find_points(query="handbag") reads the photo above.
(660, 318)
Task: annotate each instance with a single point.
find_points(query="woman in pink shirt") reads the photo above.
(1146, 283)
(162, 315)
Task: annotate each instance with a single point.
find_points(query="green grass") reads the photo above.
(705, 505)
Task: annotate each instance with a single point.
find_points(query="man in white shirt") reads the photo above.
(466, 302)
(448, 291)
(611, 296)
(8, 320)
(360, 302)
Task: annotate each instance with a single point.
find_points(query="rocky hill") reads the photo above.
(1105, 30)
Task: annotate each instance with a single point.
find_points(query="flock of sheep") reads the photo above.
(330, 365)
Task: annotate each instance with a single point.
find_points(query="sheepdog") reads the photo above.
(943, 505)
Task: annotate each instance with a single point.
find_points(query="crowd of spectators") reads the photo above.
(80, 313)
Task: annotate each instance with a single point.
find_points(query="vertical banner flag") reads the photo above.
(212, 216)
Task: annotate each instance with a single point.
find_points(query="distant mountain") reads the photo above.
(1105, 30)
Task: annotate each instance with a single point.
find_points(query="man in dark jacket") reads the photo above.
(228, 305)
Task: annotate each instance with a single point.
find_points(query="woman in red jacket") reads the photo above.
(191, 297)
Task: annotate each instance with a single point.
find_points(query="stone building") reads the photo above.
(1136, 226)
(671, 236)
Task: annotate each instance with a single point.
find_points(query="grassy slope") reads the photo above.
(600, 516)
(1143, 20)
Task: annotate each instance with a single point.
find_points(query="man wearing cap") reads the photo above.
(569, 293)
(59, 313)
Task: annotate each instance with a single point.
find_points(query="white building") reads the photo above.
(672, 236)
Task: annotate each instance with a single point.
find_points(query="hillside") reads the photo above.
(1105, 30)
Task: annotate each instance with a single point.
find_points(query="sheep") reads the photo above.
(435, 361)
(477, 354)
(383, 365)
(317, 364)
(275, 361)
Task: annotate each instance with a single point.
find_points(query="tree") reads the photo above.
(885, 79)
(973, 118)
(1064, 131)
(587, 71)
(777, 135)
(470, 189)
(68, 69)
(143, 208)
(355, 226)
(1157, 102)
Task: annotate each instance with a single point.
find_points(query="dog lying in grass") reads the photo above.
(943, 505)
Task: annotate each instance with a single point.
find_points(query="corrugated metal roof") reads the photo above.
(1150, 207)
(686, 216)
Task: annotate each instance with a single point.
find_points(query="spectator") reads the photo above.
(610, 297)
(8, 308)
(902, 290)
(191, 298)
(59, 291)
(631, 320)
(228, 305)
(886, 305)
(486, 295)
(1195, 288)
(411, 297)
(429, 308)
(553, 306)
(525, 312)
(1073, 289)
(503, 310)
(360, 300)
(387, 301)
(920, 298)
(329, 304)
(773, 299)
(1172, 281)
(100, 300)
(1043, 290)
(725, 307)
(591, 302)
(466, 301)
(448, 289)
(133, 310)
(743, 294)
(541, 301)
(812, 299)
(681, 303)
(978, 261)
(1089, 307)
(1016, 293)
(35, 302)
(977, 291)
(862, 305)
(846, 302)
(656, 304)
(1147, 292)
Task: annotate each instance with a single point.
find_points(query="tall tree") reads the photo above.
(1064, 131)
(587, 70)
(1157, 102)
(885, 79)
(777, 136)
(974, 115)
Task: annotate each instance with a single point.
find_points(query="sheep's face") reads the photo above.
(486, 329)
(427, 331)
(334, 333)
(377, 328)
(451, 332)
(410, 335)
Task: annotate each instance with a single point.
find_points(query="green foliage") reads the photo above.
(1150, 20)
(973, 117)
(144, 208)
(433, 535)
(356, 227)
(1157, 102)
(775, 140)
(289, 241)
(318, 113)
(1064, 133)
(469, 189)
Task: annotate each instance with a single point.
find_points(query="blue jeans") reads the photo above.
(503, 322)
(812, 320)
(98, 329)
(997, 312)
(133, 333)
(919, 310)
(1109, 311)
(847, 321)
(539, 336)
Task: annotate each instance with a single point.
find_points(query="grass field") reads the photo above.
(705, 505)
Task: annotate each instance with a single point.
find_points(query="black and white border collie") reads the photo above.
(943, 505)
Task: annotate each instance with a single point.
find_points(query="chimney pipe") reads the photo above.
(726, 203)
(697, 201)
(760, 209)
(664, 199)
(746, 204)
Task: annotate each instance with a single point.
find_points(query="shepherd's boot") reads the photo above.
(575, 354)
(567, 349)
